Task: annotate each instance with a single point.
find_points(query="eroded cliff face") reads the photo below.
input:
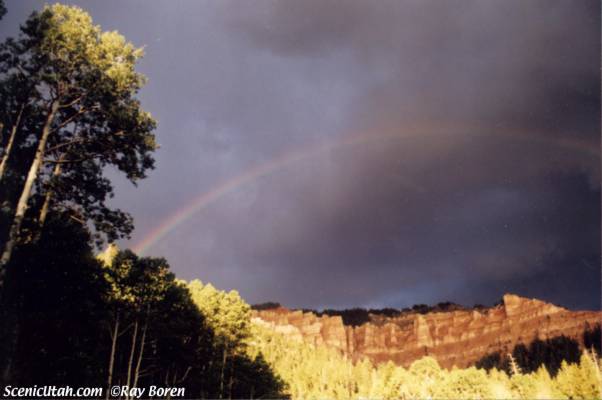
(459, 337)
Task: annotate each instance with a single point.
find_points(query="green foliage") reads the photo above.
(70, 93)
(70, 111)
(580, 381)
(227, 313)
(239, 372)
(203, 339)
(62, 314)
(135, 282)
(318, 372)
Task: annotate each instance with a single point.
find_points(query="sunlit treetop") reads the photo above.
(75, 45)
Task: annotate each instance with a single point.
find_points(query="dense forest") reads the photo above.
(321, 372)
(75, 315)
(118, 319)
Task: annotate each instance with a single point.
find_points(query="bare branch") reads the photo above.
(81, 221)
(58, 146)
(76, 161)
(185, 375)
(79, 140)
(71, 118)
(77, 100)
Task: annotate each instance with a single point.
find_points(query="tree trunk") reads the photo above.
(176, 381)
(231, 381)
(131, 360)
(221, 379)
(139, 362)
(15, 228)
(112, 357)
(48, 198)
(12, 349)
(11, 142)
(167, 377)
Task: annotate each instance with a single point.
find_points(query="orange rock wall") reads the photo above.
(457, 338)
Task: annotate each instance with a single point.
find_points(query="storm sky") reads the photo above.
(477, 171)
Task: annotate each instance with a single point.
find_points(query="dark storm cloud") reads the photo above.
(473, 57)
(479, 175)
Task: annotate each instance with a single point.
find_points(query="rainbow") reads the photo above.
(204, 199)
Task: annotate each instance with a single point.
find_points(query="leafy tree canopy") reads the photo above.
(71, 93)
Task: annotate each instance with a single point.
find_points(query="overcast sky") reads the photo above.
(462, 158)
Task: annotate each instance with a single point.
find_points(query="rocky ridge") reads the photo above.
(458, 337)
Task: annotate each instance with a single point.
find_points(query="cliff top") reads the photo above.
(511, 303)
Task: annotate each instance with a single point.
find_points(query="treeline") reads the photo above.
(550, 353)
(359, 316)
(318, 372)
(73, 319)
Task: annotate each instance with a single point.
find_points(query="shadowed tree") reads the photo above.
(592, 339)
(159, 334)
(84, 85)
(549, 353)
(53, 310)
(137, 287)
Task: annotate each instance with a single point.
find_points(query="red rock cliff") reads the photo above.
(459, 337)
